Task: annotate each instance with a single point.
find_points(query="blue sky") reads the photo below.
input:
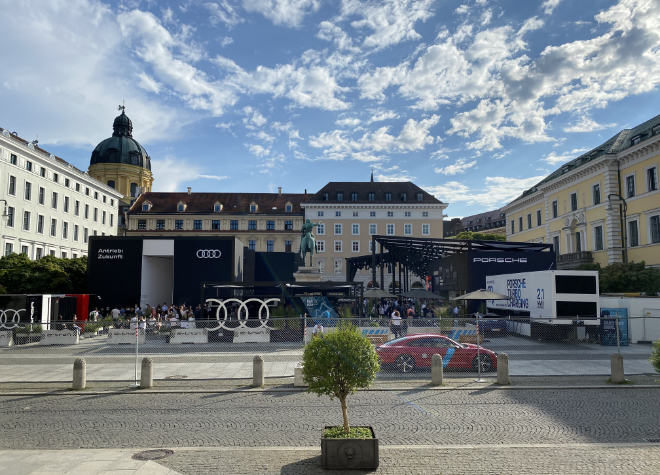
(474, 100)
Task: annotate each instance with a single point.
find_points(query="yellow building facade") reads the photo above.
(602, 207)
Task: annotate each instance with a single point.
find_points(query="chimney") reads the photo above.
(189, 190)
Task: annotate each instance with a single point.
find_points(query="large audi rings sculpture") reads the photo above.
(208, 253)
(242, 312)
(5, 316)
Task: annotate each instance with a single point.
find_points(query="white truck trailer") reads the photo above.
(553, 297)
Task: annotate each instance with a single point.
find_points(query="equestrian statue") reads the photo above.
(307, 241)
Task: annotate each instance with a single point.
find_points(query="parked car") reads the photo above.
(413, 351)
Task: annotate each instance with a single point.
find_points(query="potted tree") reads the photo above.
(338, 364)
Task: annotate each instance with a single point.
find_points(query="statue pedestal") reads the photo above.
(307, 274)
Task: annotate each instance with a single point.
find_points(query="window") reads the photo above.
(52, 253)
(338, 229)
(652, 179)
(288, 208)
(181, 206)
(160, 224)
(24, 250)
(390, 214)
(520, 226)
(13, 159)
(555, 243)
(197, 224)
(270, 225)
(146, 206)
(338, 265)
(407, 214)
(355, 214)
(134, 189)
(96, 214)
(325, 196)
(26, 220)
(372, 214)
(38, 253)
(96, 195)
(76, 208)
(372, 228)
(252, 225)
(355, 229)
(63, 255)
(654, 229)
(371, 196)
(9, 248)
(338, 213)
(85, 235)
(56, 177)
(389, 229)
(320, 229)
(598, 238)
(529, 221)
(65, 230)
(270, 245)
(252, 245)
(288, 225)
(178, 224)
(66, 204)
(77, 186)
(538, 217)
(388, 196)
(111, 220)
(320, 246)
(340, 196)
(513, 226)
(354, 196)
(633, 234)
(112, 201)
(338, 246)
(42, 172)
(578, 242)
(630, 186)
(12, 185)
(111, 183)
(75, 232)
(103, 218)
(10, 216)
(355, 246)
(215, 224)
(28, 191)
(319, 214)
(425, 214)
(287, 245)
(53, 201)
(67, 182)
(426, 229)
(636, 139)
(142, 224)
(574, 204)
(28, 165)
(86, 211)
(404, 196)
(420, 197)
(407, 229)
(253, 208)
(233, 225)
(40, 224)
(596, 193)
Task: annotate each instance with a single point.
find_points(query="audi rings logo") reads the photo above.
(208, 253)
(10, 318)
(242, 312)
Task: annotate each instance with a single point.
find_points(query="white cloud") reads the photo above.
(331, 32)
(283, 12)
(587, 124)
(253, 118)
(382, 115)
(392, 173)
(456, 168)
(348, 122)
(258, 150)
(497, 191)
(549, 6)
(554, 158)
(148, 83)
(222, 12)
(173, 173)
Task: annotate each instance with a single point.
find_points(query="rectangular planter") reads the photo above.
(349, 454)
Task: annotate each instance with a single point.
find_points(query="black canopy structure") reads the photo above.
(423, 256)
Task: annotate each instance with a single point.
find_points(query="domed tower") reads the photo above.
(121, 162)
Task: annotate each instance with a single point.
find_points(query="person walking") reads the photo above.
(395, 325)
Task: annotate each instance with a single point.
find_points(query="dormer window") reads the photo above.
(655, 130)
(388, 196)
(146, 206)
(354, 196)
(288, 208)
(636, 139)
(340, 196)
(181, 206)
(404, 196)
(371, 196)
(253, 207)
(325, 196)
(420, 197)
(217, 207)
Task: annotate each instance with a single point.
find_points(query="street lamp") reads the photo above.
(623, 222)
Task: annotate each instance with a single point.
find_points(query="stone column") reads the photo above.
(436, 370)
(147, 373)
(503, 369)
(258, 372)
(616, 368)
(79, 374)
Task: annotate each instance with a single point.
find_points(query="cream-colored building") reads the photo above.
(603, 206)
(350, 213)
(51, 207)
(264, 222)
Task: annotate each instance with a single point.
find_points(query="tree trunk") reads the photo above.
(344, 413)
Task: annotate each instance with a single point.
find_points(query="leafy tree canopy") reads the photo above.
(630, 277)
(20, 275)
(472, 236)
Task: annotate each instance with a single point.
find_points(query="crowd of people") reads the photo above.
(152, 317)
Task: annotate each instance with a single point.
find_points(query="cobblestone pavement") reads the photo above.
(282, 418)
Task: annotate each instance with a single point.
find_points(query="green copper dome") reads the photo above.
(121, 147)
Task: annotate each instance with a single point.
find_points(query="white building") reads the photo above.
(50, 207)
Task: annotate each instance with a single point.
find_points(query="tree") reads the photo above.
(339, 363)
(655, 356)
(630, 277)
(472, 236)
(20, 275)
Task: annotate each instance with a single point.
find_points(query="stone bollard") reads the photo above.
(79, 374)
(503, 369)
(147, 373)
(437, 371)
(258, 372)
(616, 367)
(298, 379)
